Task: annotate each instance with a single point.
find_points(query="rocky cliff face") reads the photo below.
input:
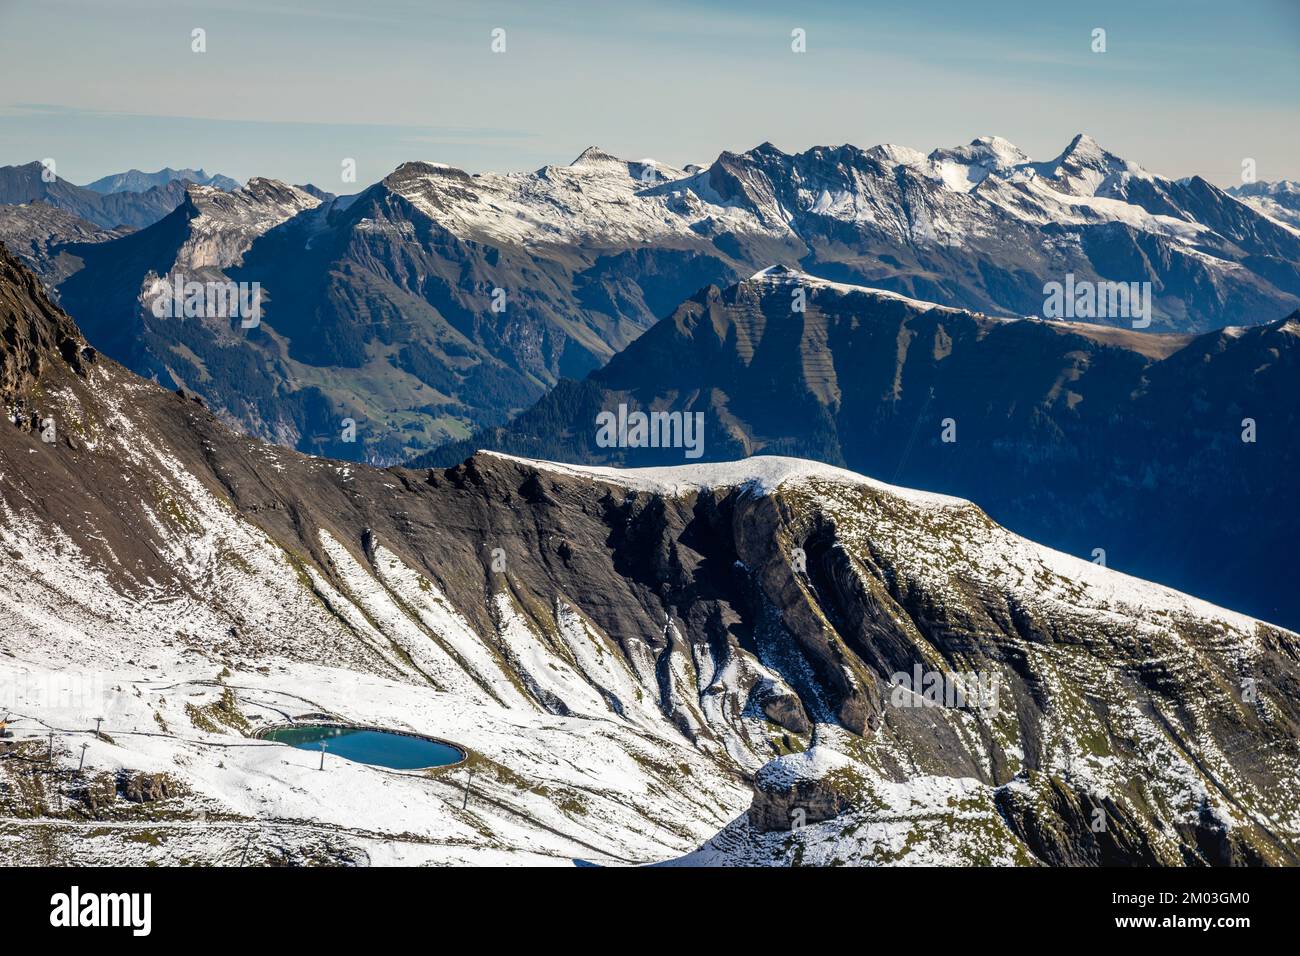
(37, 340)
(622, 652)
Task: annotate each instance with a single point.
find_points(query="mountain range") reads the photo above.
(437, 301)
(28, 184)
(135, 181)
(1160, 450)
(714, 663)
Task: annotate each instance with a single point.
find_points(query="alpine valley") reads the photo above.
(437, 301)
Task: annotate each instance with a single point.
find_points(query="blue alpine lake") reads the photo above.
(380, 748)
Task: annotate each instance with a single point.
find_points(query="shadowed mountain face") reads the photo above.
(40, 235)
(645, 666)
(1077, 436)
(437, 301)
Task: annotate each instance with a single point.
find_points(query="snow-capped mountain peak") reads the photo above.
(591, 252)
(891, 154)
(595, 156)
(767, 194)
(1084, 150)
(1280, 200)
(1084, 168)
(1283, 187)
(962, 168)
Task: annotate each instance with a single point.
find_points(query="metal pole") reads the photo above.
(50, 755)
(468, 780)
(322, 756)
(83, 757)
(98, 721)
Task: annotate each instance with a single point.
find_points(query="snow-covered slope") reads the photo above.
(623, 655)
(1279, 201)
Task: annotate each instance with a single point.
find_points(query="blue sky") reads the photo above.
(289, 89)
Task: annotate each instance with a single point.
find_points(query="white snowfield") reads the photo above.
(761, 474)
(251, 635)
(783, 275)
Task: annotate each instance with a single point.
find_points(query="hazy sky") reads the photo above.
(289, 89)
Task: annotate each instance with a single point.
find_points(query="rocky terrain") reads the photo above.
(39, 234)
(438, 300)
(1074, 435)
(699, 664)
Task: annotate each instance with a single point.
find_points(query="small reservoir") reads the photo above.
(381, 748)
